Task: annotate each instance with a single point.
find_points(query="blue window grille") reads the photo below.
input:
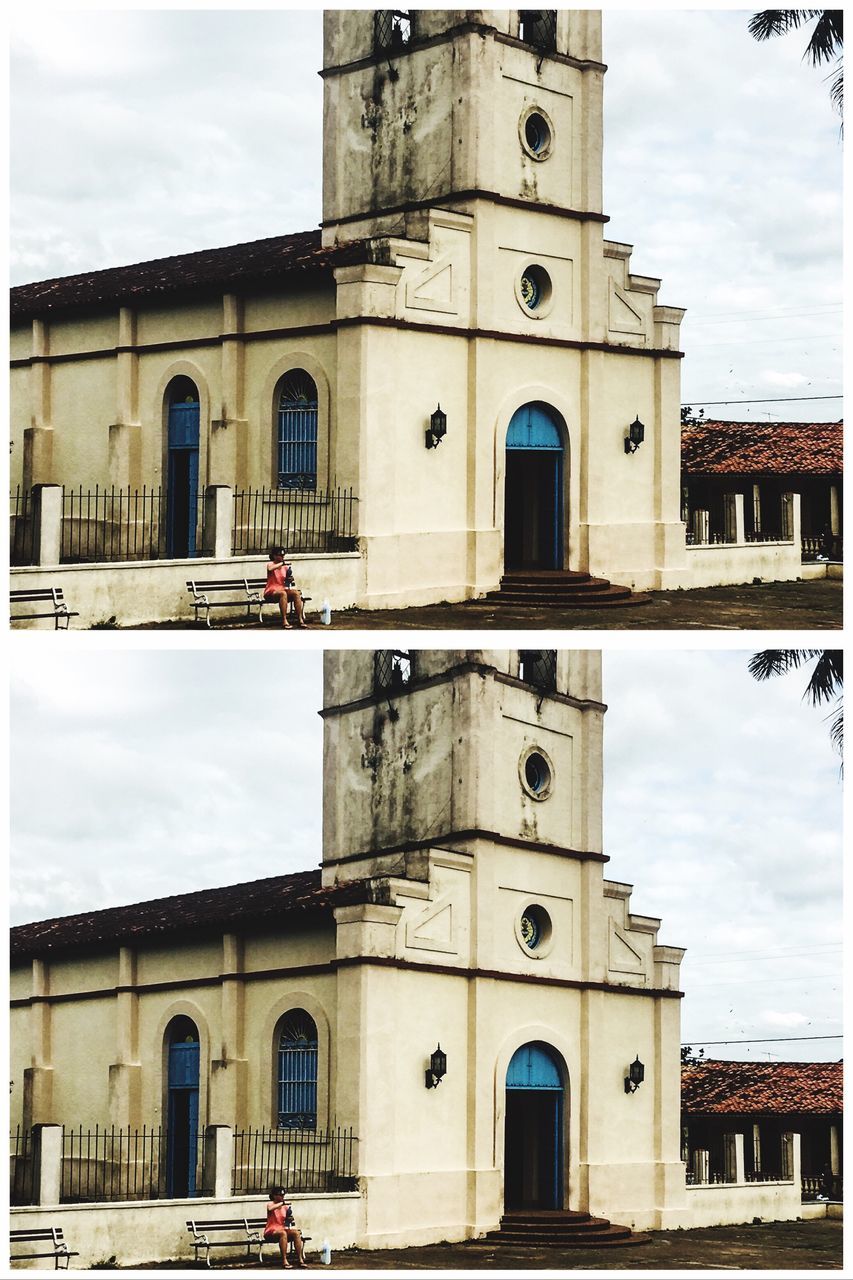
(297, 432)
(297, 1072)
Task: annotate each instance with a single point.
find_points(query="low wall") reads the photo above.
(722, 1204)
(156, 591)
(156, 1230)
(732, 563)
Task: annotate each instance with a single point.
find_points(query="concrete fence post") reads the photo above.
(701, 1166)
(701, 526)
(47, 516)
(47, 1163)
(735, 525)
(218, 517)
(735, 1165)
(218, 1160)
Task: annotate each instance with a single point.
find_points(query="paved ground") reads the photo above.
(773, 1247)
(796, 606)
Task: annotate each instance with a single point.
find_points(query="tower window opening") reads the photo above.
(539, 27)
(392, 29)
(539, 667)
(393, 670)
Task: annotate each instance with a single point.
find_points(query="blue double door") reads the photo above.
(533, 1133)
(533, 498)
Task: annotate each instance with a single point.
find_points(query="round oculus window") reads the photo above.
(536, 133)
(533, 291)
(533, 930)
(536, 773)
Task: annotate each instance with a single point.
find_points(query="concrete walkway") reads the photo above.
(794, 606)
(774, 1246)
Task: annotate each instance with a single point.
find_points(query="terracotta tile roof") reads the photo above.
(762, 448)
(236, 266)
(761, 1088)
(298, 898)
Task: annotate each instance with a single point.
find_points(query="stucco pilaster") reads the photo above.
(227, 461)
(125, 1074)
(38, 1077)
(229, 1071)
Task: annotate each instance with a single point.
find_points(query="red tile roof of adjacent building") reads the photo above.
(761, 1088)
(277, 900)
(258, 262)
(762, 448)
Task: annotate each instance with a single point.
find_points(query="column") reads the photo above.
(228, 1074)
(38, 437)
(735, 1166)
(791, 1165)
(735, 526)
(228, 450)
(125, 442)
(791, 528)
(125, 1074)
(38, 1077)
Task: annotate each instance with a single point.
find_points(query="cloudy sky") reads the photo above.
(142, 133)
(144, 772)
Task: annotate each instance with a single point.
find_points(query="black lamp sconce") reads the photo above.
(635, 437)
(437, 428)
(437, 1068)
(635, 1077)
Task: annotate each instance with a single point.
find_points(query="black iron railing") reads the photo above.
(298, 1159)
(21, 527)
(119, 1164)
(21, 1167)
(296, 519)
(103, 525)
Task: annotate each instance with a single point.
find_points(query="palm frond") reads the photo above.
(827, 38)
(827, 677)
(775, 22)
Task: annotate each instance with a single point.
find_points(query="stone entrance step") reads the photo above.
(566, 588)
(564, 1228)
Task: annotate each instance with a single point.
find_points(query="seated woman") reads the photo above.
(280, 587)
(281, 1227)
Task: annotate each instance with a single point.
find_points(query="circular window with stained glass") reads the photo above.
(533, 291)
(533, 930)
(536, 773)
(536, 133)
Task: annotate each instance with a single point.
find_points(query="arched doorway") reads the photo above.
(533, 505)
(533, 1133)
(182, 1123)
(182, 471)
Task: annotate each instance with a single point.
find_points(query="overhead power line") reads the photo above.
(688, 1044)
(769, 400)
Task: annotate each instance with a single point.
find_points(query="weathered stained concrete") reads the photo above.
(768, 1246)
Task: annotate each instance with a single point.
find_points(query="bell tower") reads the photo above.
(459, 746)
(426, 107)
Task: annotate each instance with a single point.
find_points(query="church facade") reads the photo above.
(459, 345)
(458, 984)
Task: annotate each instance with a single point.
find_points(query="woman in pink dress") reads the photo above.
(280, 1227)
(280, 587)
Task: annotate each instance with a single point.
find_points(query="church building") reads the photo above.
(458, 346)
(458, 985)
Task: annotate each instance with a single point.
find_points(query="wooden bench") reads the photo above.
(45, 596)
(239, 591)
(246, 1233)
(46, 1236)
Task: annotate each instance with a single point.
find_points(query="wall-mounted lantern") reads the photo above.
(635, 437)
(437, 1068)
(635, 1077)
(437, 428)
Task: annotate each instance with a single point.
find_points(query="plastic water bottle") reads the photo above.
(326, 1253)
(326, 613)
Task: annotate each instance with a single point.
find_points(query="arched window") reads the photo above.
(297, 432)
(296, 1075)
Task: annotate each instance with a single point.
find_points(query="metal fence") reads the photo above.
(21, 527)
(296, 1159)
(296, 519)
(121, 1164)
(21, 1167)
(103, 525)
